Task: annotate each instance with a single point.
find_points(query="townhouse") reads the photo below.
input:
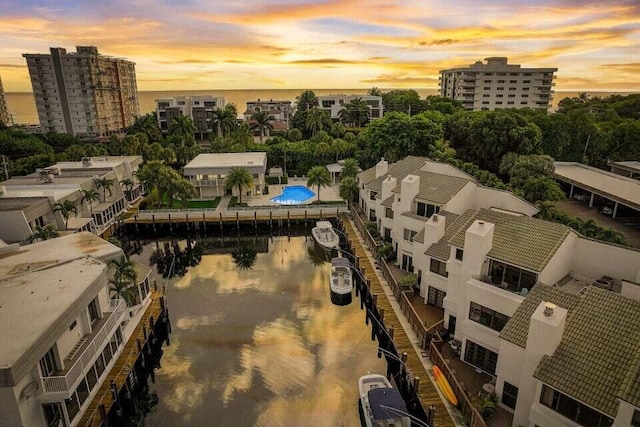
(333, 104)
(481, 256)
(199, 108)
(62, 329)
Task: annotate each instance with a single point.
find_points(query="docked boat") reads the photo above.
(341, 281)
(382, 405)
(325, 236)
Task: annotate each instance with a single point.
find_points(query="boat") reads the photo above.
(341, 281)
(381, 404)
(444, 385)
(325, 236)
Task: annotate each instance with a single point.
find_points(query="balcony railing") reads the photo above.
(210, 182)
(65, 383)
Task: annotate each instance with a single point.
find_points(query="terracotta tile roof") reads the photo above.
(519, 240)
(598, 359)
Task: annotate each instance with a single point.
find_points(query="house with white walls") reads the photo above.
(479, 254)
(61, 329)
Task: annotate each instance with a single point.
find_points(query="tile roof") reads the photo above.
(419, 237)
(367, 175)
(398, 170)
(441, 249)
(517, 328)
(388, 202)
(518, 239)
(598, 357)
(437, 188)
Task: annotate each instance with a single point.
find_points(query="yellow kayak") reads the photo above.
(444, 386)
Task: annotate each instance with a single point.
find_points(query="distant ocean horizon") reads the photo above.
(22, 105)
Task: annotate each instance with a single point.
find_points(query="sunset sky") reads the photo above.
(278, 44)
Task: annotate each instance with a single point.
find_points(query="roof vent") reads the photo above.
(481, 223)
(435, 218)
(548, 309)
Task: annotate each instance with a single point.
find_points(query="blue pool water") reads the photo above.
(294, 195)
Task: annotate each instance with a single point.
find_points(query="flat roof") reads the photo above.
(56, 193)
(633, 165)
(220, 160)
(615, 187)
(98, 162)
(20, 203)
(34, 179)
(34, 301)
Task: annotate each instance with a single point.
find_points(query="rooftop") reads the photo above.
(437, 188)
(398, 170)
(598, 358)
(616, 187)
(518, 239)
(632, 165)
(98, 162)
(218, 160)
(20, 203)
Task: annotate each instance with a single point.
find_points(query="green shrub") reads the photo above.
(407, 282)
(273, 180)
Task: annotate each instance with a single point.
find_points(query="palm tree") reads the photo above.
(105, 184)
(65, 208)
(261, 121)
(123, 282)
(374, 91)
(441, 151)
(340, 147)
(315, 118)
(147, 125)
(224, 119)
(355, 111)
(182, 126)
(128, 185)
(349, 168)
(349, 189)
(239, 178)
(244, 256)
(90, 196)
(43, 233)
(318, 176)
(307, 100)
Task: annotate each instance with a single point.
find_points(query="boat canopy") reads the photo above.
(336, 261)
(388, 397)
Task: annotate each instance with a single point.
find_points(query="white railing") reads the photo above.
(65, 383)
(209, 182)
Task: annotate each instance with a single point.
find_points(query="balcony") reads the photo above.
(216, 182)
(77, 365)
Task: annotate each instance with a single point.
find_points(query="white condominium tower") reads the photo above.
(4, 112)
(497, 84)
(83, 93)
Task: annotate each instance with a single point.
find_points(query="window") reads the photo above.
(499, 103)
(407, 263)
(91, 378)
(53, 414)
(509, 395)
(511, 95)
(372, 215)
(459, 254)
(388, 213)
(487, 88)
(372, 195)
(526, 81)
(513, 81)
(499, 95)
(511, 278)
(72, 406)
(500, 81)
(572, 409)
(481, 357)
(435, 297)
(93, 311)
(73, 325)
(487, 81)
(438, 267)
(487, 317)
(635, 421)
(409, 234)
(485, 102)
(426, 210)
(500, 88)
(82, 391)
(99, 365)
(512, 88)
(486, 95)
(387, 234)
(48, 363)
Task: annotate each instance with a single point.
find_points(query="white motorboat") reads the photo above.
(341, 281)
(324, 234)
(382, 405)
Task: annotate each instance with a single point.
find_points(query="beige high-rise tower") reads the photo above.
(83, 93)
(4, 112)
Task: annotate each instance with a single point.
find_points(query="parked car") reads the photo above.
(580, 197)
(607, 210)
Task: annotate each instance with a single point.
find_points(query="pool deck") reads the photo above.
(330, 193)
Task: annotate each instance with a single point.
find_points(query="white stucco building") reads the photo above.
(61, 329)
(208, 171)
(496, 84)
(481, 257)
(333, 104)
(199, 108)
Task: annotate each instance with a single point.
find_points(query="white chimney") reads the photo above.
(388, 184)
(478, 241)
(434, 229)
(381, 167)
(409, 188)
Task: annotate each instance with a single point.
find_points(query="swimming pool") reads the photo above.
(294, 195)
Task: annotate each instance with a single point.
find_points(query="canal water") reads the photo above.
(257, 341)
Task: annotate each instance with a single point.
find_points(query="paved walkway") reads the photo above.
(404, 338)
(224, 204)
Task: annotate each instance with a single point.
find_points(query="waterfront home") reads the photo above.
(62, 330)
(207, 172)
(333, 104)
(199, 108)
(479, 254)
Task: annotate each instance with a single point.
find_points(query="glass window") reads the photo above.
(509, 395)
(426, 210)
(409, 234)
(82, 391)
(106, 353)
(93, 311)
(635, 421)
(99, 365)
(459, 254)
(438, 267)
(92, 378)
(481, 357)
(572, 409)
(53, 414)
(487, 317)
(48, 363)
(388, 212)
(72, 406)
(435, 297)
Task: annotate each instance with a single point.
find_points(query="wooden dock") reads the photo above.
(427, 391)
(121, 368)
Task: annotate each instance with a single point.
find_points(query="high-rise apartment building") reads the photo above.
(83, 93)
(4, 112)
(497, 84)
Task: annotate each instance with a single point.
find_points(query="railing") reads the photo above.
(245, 213)
(65, 383)
(425, 334)
(209, 182)
(372, 244)
(393, 283)
(470, 412)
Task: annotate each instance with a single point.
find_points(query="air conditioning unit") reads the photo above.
(86, 162)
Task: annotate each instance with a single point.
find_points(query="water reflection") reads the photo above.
(244, 256)
(261, 346)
